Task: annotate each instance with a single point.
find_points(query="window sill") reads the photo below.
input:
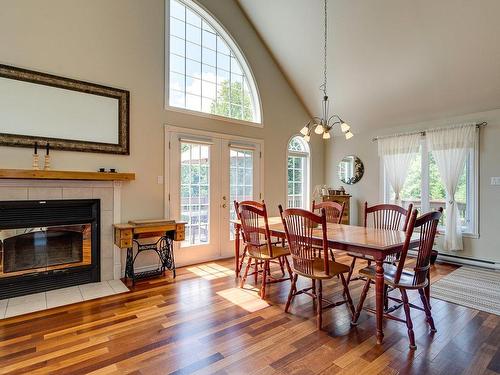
(466, 235)
(214, 117)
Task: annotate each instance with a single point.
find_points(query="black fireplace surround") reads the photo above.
(60, 240)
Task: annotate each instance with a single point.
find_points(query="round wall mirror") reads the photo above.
(350, 169)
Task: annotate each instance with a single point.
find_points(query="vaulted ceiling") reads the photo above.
(390, 62)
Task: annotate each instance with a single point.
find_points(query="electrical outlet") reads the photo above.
(160, 180)
(495, 180)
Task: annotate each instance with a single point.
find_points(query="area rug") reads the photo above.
(471, 287)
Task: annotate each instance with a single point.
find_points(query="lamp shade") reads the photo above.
(349, 135)
(344, 127)
(304, 130)
(319, 129)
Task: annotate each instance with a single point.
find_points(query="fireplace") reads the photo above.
(48, 245)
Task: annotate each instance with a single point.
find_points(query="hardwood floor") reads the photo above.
(202, 323)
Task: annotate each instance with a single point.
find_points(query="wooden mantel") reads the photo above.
(30, 174)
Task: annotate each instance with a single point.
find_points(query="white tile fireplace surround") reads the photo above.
(107, 191)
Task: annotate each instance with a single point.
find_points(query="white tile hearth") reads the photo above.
(25, 304)
(59, 297)
(96, 290)
(65, 296)
(3, 308)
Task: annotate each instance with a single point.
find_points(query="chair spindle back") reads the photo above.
(299, 228)
(428, 227)
(334, 210)
(255, 236)
(388, 216)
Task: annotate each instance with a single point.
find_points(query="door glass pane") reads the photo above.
(195, 192)
(240, 180)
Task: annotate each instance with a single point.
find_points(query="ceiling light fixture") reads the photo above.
(325, 123)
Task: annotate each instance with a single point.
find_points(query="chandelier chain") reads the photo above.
(325, 46)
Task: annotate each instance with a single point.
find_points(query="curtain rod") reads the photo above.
(422, 133)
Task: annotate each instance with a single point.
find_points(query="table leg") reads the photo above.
(237, 249)
(379, 298)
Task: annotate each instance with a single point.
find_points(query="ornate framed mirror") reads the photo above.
(350, 169)
(69, 114)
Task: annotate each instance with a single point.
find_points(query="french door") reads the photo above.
(205, 174)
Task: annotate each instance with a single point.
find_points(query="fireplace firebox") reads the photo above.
(48, 245)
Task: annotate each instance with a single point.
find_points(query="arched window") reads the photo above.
(298, 173)
(207, 71)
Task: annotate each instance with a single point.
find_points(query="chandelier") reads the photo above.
(325, 123)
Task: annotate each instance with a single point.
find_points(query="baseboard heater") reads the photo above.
(464, 260)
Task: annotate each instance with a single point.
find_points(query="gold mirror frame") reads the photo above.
(123, 97)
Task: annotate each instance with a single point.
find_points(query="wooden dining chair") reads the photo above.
(244, 254)
(403, 279)
(382, 216)
(334, 212)
(299, 228)
(258, 244)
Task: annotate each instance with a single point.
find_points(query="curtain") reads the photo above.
(450, 147)
(397, 153)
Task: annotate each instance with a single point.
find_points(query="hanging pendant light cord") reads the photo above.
(325, 55)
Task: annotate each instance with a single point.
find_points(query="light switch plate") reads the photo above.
(160, 180)
(495, 180)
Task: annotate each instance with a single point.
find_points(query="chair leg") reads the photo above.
(386, 297)
(244, 278)
(349, 275)
(361, 302)
(264, 279)
(319, 303)
(313, 290)
(280, 259)
(293, 289)
(331, 254)
(242, 258)
(409, 323)
(289, 269)
(256, 273)
(347, 294)
(427, 310)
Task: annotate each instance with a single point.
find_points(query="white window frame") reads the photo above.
(306, 172)
(240, 57)
(472, 230)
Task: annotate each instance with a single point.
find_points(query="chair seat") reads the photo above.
(406, 281)
(335, 269)
(263, 254)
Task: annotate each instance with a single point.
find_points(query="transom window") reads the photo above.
(298, 173)
(207, 72)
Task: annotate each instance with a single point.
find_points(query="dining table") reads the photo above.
(378, 243)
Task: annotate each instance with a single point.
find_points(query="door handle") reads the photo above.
(224, 205)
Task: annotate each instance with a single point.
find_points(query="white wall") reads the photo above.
(487, 246)
(120, 43)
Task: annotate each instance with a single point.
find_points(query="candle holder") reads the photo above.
(36, 158)
(46, 165)
(36, 162)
